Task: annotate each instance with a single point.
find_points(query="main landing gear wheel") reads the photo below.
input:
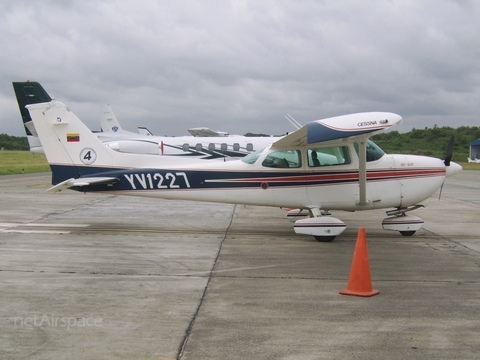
(406, 225)
(325, 238)
(322, 228)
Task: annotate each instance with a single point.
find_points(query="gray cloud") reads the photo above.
(240, 66)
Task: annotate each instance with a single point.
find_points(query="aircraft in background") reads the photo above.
(113, 136)
(326, 165)
(206, 132)
(109, 122)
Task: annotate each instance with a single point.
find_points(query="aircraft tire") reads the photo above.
(324, 238)
(407, 233)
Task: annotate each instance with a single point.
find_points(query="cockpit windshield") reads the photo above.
(251, 158)
(374, 152)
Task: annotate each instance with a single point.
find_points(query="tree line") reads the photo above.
(8, 142)
(428, 141)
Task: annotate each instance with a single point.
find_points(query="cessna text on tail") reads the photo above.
(324, 166)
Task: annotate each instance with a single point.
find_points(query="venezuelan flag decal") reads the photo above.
(73, 137)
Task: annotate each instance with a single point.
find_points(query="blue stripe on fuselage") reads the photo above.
(165, 179)
(178, 179)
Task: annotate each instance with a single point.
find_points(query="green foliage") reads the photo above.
(18, 162)
(430, 142)
(8, 142)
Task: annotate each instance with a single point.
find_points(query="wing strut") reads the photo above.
(362, 172)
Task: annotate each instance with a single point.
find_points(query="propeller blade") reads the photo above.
(449, 152)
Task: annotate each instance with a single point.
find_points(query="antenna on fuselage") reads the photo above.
(293, 121)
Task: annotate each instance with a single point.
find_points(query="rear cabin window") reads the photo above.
(328, 156)
(283, 159)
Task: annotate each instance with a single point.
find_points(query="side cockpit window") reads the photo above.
(328, 156)
(283, 159)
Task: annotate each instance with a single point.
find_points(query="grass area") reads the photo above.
(469, 166)
(18, 162)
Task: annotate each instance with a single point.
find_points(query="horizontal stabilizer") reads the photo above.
(81, 182)
(29, 125)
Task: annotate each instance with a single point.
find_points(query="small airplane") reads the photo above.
(217, 145)
(325, 165)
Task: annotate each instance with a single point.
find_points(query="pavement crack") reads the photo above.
(94, 201)
(195, 315)
(450, 240)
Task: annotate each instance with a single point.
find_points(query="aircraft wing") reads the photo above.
(339, 127)
(80, 182)
(206, 132)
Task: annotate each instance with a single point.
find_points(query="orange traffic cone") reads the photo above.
(360, 282)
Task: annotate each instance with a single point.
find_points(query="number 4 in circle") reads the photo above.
(88, 156)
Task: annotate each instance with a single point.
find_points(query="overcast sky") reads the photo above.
(240, 66)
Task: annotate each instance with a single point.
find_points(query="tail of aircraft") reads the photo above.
(72, 150)
(27, 93)
(108, 120)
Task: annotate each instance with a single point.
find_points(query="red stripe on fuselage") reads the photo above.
(372, 175)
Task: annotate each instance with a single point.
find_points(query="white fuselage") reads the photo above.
(316, 167)
(392, 181)
(232, 146)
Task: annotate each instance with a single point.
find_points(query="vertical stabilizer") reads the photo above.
(27, 93)
(72, 150)
(108, 120)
